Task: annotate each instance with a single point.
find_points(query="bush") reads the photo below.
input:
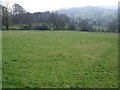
(71, 27)
(42, 27)
(25, 27)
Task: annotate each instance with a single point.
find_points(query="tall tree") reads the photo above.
(113, 26)
(0, 17)
(59, 20)
(17, 9)
(18, 12)
(5, 16)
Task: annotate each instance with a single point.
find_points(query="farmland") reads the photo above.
(59, 59)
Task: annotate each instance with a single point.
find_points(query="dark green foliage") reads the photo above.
(113, 26)
(41, 27)
(85, 25)
(71, 26)
(26, 26)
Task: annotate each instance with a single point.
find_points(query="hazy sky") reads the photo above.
(48, 5)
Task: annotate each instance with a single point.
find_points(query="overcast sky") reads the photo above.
(49, 5)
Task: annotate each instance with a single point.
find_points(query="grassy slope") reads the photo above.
(59, 59)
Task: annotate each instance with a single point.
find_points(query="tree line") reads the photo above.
(18, 18)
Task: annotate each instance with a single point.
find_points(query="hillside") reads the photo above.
(91, 12)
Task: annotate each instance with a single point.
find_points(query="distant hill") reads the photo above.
(88, 10)
(101, 13)
(109, 7)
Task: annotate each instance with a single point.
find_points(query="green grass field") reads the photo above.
(59, 59)
(0, 59)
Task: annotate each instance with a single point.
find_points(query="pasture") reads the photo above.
(59, 59)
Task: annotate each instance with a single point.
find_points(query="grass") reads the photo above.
(59, 59)
(0, 59)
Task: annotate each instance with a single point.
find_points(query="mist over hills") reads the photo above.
(100, 13)
(109, 7)
(89, 10)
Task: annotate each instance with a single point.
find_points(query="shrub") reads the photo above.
(71, 27)
(42, 27)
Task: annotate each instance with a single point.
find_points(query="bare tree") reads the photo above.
(0, 17)
(5, 17)
(17, 9)
(17, 12)
(5, 14)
